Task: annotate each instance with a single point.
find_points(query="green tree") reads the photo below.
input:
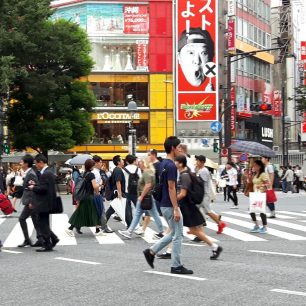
(48, 58)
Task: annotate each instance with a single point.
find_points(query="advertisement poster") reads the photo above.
(233, 109)
(142, 55)
(231, 35)
(277, 103)
(196, 60)
(136, 19)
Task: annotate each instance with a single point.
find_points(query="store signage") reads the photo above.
(231, 8)
(136, 19)
(233, 109)
(142, 55)
(197, 60)
(118, 116)
(231, 34)
(266, 132)
(277, 103)
(303, 128)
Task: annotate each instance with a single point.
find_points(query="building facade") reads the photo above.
(132, 50)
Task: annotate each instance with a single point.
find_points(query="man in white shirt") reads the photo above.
(205, 206)
(289, 176)
(232, 183)
(131, 185)
(300, 178)
(269, 169)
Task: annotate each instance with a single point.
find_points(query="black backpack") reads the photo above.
(157, 191)
(196, 191)
(109, 189)
(133, 181)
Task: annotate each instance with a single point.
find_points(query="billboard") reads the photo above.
(197, 60)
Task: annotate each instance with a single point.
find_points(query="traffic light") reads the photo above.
(6, 148)
(265, 107)
(215, 146)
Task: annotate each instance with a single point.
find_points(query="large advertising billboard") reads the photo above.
(197, 60)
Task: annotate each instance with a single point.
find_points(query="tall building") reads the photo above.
(132, 50)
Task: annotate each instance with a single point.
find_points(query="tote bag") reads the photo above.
(258, 202)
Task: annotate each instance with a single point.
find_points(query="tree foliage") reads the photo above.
(47, 58)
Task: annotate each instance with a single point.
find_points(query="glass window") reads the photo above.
(260, 37)
(245, 30)
(245, 5)
(114, 93)
(255, 36)
(118, 132)
(239, 28)
(250, 32)
(268, 38)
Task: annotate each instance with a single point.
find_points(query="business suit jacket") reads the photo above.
(44, 193)
(27, 193)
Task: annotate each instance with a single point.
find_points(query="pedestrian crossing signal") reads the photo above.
(216, 148)
(6, 148)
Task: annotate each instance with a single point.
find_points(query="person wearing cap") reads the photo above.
(205, 206)
(196, 48)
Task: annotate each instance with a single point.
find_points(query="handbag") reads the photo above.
(271, 196)
(58, 204)
(257, 202)
(249, 188)
(146, 203)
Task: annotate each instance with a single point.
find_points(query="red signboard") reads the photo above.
(277, 103)
(231, 35)
(136, 19)
(233, 109)
(142, 55)
(197, 60)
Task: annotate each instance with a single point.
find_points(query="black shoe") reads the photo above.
(158, 236)
(37, 244)
(196, 239)
(117, 218)
(181, 270)
(216, 253)
(149, 257)
(26, 243)
(272, 217)
(164, 255)
(108, 231)
(47, 249)
(55, 242)
(78, 230)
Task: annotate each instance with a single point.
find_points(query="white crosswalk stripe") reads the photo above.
(237, 228)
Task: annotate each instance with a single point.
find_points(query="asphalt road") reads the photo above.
(116, 273)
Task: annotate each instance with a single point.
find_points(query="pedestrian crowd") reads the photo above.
(175, 188)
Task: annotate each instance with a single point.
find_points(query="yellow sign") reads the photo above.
(119, 116)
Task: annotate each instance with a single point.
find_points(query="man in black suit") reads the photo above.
(26, 164)
(44, 197)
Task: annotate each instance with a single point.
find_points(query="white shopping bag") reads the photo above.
(258, 202)
(119, 206)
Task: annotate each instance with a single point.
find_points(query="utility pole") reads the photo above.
(227, 109)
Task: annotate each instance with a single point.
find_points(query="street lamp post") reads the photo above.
(132, 108)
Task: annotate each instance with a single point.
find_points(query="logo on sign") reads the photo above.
(195, 109)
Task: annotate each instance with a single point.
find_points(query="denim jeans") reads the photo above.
(176, 236)
(284, 186)
(153, 213)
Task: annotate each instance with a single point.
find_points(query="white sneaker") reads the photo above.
(100, 233)
(139, 231)
(127, 234)
(69, 232)
(234, 207)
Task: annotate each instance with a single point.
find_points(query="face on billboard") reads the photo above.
(192, 59)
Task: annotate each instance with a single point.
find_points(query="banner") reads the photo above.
(231, 8)
(303, 128)
(197, 60)
(277, 103)
(136, 19)
(231, 32)
(142, 55)
(233, 109)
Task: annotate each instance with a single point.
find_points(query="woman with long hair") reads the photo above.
(86, 213)
(260, 184)
(192, 217)
(144, 188)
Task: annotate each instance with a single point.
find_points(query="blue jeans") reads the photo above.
(176, 236)
(284, 186)
(153, 213)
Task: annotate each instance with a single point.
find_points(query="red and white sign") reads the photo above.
(303, 128)
(277, 103)
(233, 109)
(231, 35)
(142, 55)
(224, 152)
(197, 60)
(136, 19)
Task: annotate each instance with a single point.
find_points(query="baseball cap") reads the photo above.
(201, 158)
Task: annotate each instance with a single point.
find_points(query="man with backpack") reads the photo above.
(132, 174)
(205, 206)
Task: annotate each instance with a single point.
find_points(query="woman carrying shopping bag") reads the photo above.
(260, 185)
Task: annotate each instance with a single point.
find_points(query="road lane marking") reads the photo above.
(13, 252)
(79, 261)
(293, 213)
(276, 253)
(271, 231)
(16, 236)
(110, 238)
(294, 226)
(177, 275)
(289, 292)
(59, 225)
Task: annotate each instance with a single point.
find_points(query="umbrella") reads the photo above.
(119, 206)
(209, 163)
(253, 148)
(67, 162)
(80, 159)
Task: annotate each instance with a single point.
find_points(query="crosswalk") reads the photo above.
(289, 226)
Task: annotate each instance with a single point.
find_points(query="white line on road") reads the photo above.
(77, 260)
(293, 213)
(277, 253)
(177, 275)
(13, 252)
(196, 245)
(59, 224)
(289, 292)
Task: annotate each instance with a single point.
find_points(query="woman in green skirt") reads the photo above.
(86, 213)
